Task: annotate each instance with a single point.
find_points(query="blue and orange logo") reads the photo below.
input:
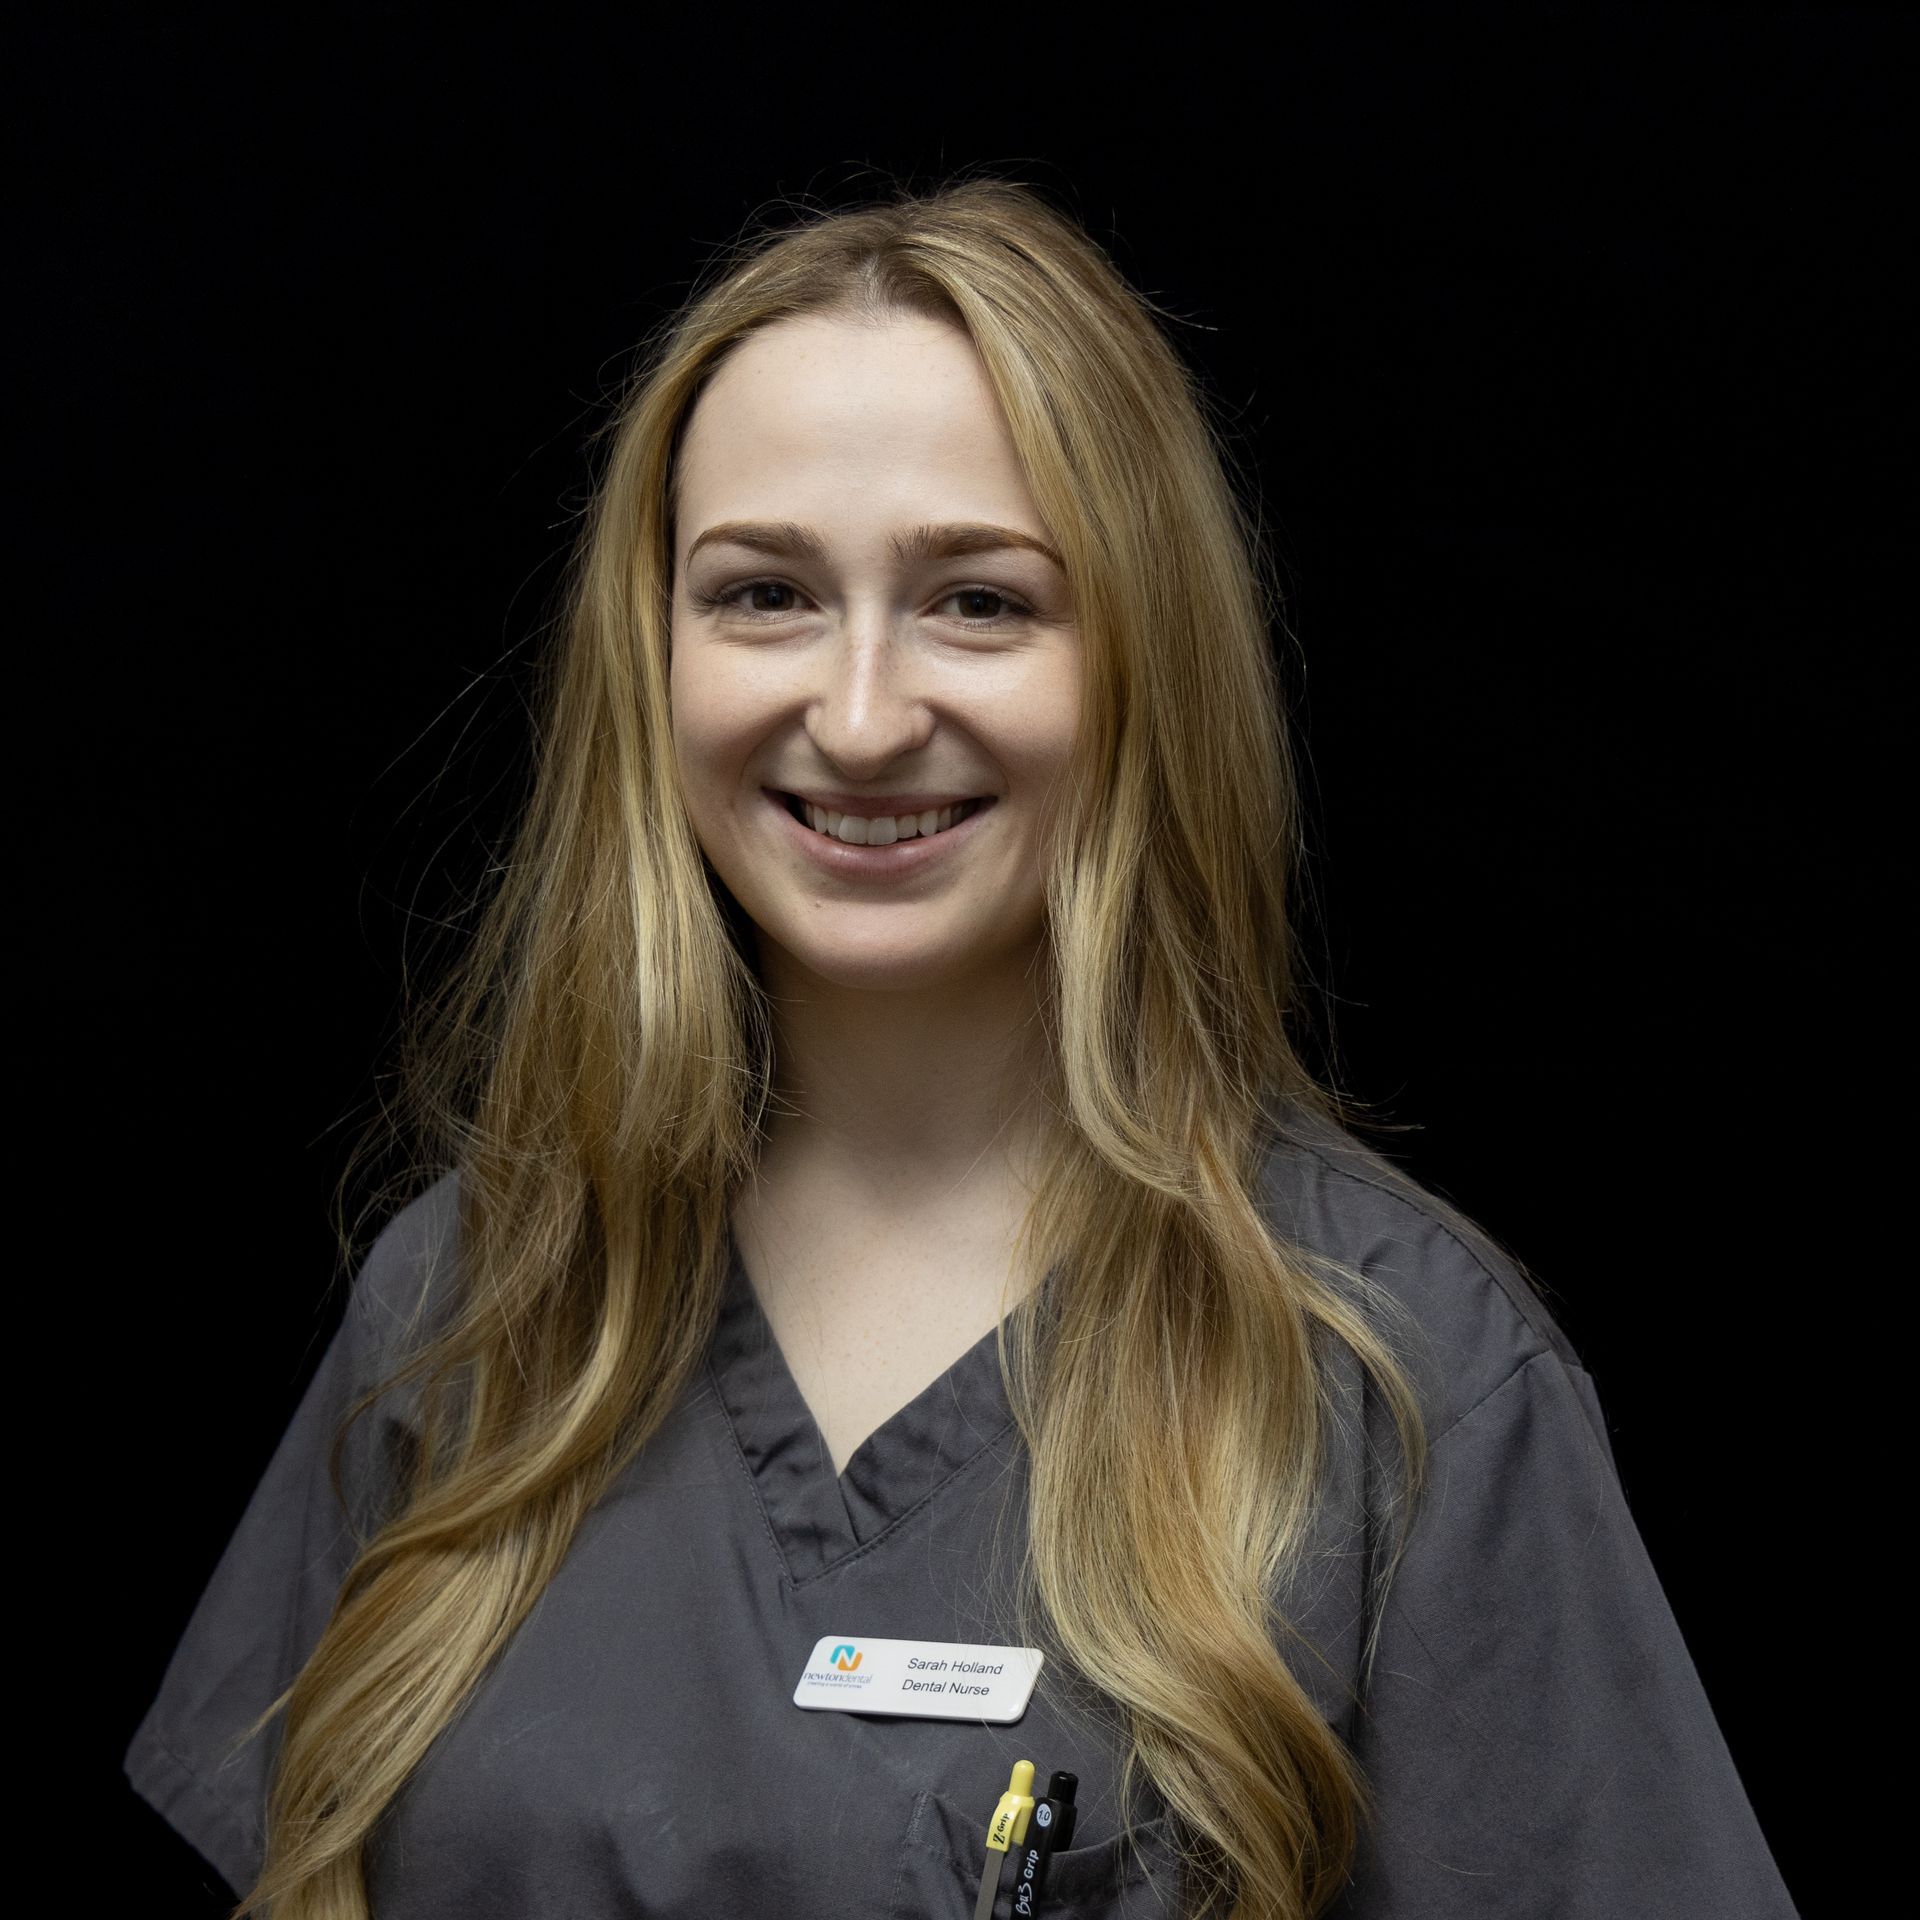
(846, 1657)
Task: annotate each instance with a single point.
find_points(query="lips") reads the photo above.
(881, 806)
(833, 856)
(797, 805)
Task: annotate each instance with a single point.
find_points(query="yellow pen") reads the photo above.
(1005, 1831)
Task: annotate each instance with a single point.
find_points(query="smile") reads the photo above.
(894, 858)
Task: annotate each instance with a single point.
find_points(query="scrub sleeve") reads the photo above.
(270, 1595)
(1535, 1728)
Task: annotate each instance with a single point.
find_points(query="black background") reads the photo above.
(1567, 352)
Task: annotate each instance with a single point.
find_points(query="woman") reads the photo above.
(879, 1202)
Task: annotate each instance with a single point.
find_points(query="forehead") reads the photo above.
(842, 411)
(822, 364)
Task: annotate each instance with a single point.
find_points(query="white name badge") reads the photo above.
(928, 1679)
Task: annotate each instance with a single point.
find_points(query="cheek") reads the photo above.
(701, 758)
(1040, 736)
(712, 722)
(1038, 728)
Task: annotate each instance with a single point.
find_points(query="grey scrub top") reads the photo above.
(1534, 1727)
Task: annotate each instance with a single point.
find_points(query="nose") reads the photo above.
(869, 709)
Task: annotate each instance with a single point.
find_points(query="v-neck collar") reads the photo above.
(818, 1517)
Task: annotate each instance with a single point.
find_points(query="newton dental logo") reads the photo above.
(841, 1667)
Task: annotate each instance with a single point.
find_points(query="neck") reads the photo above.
(913, 1091)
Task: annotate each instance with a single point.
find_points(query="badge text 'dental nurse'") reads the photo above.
(926, 1679)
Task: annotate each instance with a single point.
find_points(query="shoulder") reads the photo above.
(407, 1277)
(1476, 1316)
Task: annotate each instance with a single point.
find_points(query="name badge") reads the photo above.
(924, 1679)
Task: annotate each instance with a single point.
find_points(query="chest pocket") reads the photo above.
(945, 1849)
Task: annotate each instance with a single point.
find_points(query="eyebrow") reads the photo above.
(792, 541)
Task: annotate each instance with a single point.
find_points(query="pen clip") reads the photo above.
(1008, 1827)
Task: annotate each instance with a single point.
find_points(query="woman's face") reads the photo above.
(823, 647)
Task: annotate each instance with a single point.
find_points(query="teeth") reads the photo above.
(856, 830)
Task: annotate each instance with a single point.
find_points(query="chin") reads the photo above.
(884, 968)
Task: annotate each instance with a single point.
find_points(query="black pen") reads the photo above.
(1051, 1827)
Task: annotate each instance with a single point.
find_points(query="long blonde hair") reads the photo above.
(598, 1066)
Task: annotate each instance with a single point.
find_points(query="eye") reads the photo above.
(1019, 607)
(728, 598)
